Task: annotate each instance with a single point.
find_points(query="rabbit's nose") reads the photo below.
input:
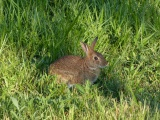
(104, 64)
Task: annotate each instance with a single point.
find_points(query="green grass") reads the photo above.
(35, 33)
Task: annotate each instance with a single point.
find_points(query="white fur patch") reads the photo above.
(70, 85)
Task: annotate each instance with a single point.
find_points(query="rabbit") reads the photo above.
(76, 70)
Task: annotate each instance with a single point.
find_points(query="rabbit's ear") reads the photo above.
(94, 42)
(84, 47)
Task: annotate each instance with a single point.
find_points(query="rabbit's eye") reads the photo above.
(95, 58)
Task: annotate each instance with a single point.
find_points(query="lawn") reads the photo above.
(34, 33)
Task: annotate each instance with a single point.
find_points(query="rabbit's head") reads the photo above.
(93, 58)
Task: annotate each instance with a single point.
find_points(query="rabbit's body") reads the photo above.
(70, 74)
(74, 69)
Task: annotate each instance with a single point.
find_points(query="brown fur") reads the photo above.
(74, 69)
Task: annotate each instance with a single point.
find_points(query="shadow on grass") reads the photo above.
(112, 85)
(42, 64)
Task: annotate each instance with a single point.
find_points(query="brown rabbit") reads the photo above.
(74, 69)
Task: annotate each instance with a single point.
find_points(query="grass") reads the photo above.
(35, 33)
